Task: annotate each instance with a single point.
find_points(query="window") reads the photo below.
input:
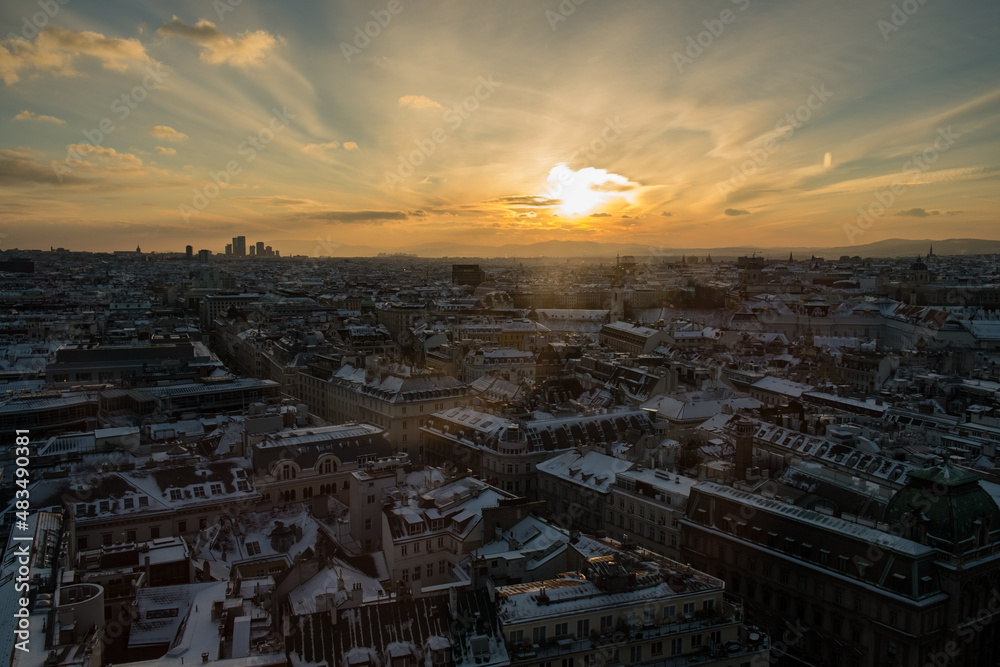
(371, 499)
(669, 612)
(105, 506)
(216, 489)
(516, 637)
(708, 605)
(253, 548)
(416, 547)
(404, 550)
(406, 574)
(368, 524)
(656, 648)
(696, 641)
(607, 622)
(442, 566)
(562, 629)
(538, 635)
(154, 532)
(688, 608)
(676, 646)
(243, 486)
(182, 526)
(416, 573)
(583, 627)
(143, 501)
(199, 492)
(130, 536)
(128, 503)
(635, 654)
(430, 569)
(648, 617)
(81, 542)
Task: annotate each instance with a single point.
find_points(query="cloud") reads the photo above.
(30, 115)
(166, 151)
(55, 51)
(419, 213)
(358, 216)
(351, 146)
(279, 200)
(105, 158)
(600, 215)
(736, 211)
(18, 166)
(418, 102)
(921, 213)
(954, 212)
(246, 50)
(526, 200)
(667, 214)
(167, 133)
(613, 185)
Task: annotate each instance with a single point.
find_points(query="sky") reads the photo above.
(399, 123)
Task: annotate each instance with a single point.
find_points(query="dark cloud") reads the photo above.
(736, 211)
(17, 167)
(600, 215)
(918, 213)
(357, 216)
(667, 214)
(526, 200)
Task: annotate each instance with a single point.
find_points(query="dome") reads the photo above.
(918, 266)
(945, 507)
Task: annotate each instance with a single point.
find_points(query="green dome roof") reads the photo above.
(947, 505)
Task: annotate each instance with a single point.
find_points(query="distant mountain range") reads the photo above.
(564, 249)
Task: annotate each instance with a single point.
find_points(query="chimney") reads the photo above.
(744, 447)
(356, 593)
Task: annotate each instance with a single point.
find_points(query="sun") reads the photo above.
(587, 190)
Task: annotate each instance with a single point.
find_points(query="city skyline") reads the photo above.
(395, 124)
